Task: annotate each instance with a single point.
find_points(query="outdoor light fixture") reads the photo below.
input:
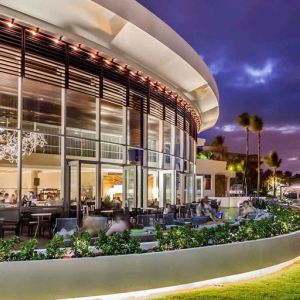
(35, 32)
(11, 23)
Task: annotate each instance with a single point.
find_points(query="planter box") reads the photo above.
(55, 279)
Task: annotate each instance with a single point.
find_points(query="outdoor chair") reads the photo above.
(27, 221)
(168, 219)
(11, 222)
(65, 227)
(146, 220)
(251, 216)
(197, 221)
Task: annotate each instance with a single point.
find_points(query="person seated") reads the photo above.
(247, 208)
(7, 199)
(1, 197)
(167, 209)
(25, 201)
(120, 224)
(205, 209)
(13, 199)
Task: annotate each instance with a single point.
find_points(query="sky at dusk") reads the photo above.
(253, 49)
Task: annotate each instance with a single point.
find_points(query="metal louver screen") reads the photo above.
(83, 82)
(114, 92)
(44, 70)
(10, 60)
(137, 101)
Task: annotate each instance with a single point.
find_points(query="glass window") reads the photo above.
(112, 136)
(153, 190)
(207, 182)
(177, 142)
(111, 122)
(167, 138)
(41, 107)
(112, 193)
(153, 159)
(154, 133)
(8, 168)
(168, 159)
(8, 100)
(192, 149)
(81, 115)
(134, 131)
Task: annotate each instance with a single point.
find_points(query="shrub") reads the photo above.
(81, 245)
(117, 244)
(6, 248)
(178, 238)
(55, 248)
(28, 251)
(221, 234)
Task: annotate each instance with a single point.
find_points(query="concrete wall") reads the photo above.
(56, 279)
(213, 168)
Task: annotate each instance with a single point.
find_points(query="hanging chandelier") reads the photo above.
(9, 144)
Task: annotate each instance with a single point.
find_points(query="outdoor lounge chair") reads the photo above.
(200, 220)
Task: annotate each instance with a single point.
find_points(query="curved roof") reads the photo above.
(128, 31)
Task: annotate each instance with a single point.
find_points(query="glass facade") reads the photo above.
(86, 130)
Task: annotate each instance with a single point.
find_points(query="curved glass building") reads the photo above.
(100, 104)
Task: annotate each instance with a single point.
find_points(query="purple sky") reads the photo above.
(253, 49)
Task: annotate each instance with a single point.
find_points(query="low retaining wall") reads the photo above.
(55, 279)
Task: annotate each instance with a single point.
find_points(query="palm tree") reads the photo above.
(244, 121)
(218, 144)
(257, 124)
(274, 162)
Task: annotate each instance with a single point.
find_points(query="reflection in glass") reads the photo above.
(153, 200)
(177, 142)
(167, 138)
(8, 100)
(41, 107)
(81, 115)
(134, 132)
(153, 133)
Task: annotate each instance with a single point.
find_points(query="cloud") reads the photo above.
(248, 76)
(283, 129)
(260, 75)
(293, 158)
(217, 66)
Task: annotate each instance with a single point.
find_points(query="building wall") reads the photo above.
(213, 168)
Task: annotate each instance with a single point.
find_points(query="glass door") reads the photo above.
(199, 188)
(83, 185)
(72, 204)
(130, 187)
(166, 188)
(188, 188)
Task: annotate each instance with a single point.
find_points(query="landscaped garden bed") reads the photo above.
(284, 221)
(251, 246)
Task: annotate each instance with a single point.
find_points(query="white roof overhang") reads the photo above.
(132, 34)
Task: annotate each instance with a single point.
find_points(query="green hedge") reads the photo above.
(284, 221)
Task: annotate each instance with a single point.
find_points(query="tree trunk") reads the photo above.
(246, 162)
(258, 163)
(274, 182)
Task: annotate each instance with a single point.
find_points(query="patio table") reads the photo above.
(40, 217)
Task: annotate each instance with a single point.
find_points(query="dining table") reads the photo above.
(40, 216)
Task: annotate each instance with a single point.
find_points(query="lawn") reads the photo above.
(282, 285)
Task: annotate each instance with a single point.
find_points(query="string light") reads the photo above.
(11, 23)
(57, 41)
(35, 32)
(161, 87)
